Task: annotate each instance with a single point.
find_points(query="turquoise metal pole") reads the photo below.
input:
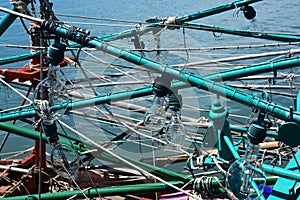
(231, 148)
(107, 98)
(178, 20)
(220, 126)
(229, 92)
(236, 156)
(17, 58)
(8, 19)
(135, 58)
(298, 102)
(181, 75)
(244, 33)
(281, 172)
(250, 70)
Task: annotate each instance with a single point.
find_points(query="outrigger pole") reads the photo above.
(244, 33)
(12, 59)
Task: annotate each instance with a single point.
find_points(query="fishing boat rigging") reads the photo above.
(106, 119)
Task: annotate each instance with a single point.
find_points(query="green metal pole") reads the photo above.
(244, 33)
(120, 190)
(107, 191)
(28, 133)
(166, 174)
(8, 19)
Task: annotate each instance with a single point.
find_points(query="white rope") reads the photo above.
(21, 15)
(111, 66)
(102, 19)
(98, 24)
(12, 88)
(22, 46)
(16, 108)
(15, 153)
